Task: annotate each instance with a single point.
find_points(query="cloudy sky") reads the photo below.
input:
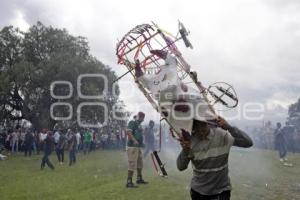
(252, 44)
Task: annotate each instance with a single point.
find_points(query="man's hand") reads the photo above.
(130, 137)
(223, 123)
(185, 140)
(185, 144)
(135, 142)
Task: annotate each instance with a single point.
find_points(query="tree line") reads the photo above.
(30, 61)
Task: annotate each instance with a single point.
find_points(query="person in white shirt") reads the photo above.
(78, 138)
(15, 141)
(56, 137)
(43, 135)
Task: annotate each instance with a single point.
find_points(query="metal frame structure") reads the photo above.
(137, 44)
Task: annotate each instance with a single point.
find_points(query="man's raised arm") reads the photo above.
(241, 139)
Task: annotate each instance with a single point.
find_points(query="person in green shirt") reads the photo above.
(87, 138)
(134, 150)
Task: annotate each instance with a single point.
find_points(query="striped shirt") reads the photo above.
(209, 159)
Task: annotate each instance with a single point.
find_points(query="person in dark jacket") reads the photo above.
(60, 148)
(29, 138)
(72, 148)
(48, 147)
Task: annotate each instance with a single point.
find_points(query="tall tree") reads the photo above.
(30, 61)
(294, 115)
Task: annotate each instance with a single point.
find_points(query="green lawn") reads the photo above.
(101, 175)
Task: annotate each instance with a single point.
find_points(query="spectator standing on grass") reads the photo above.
(81, 139)
(108, 141)
(78, 139)
(38, 142)
(60, 148)
(15, 141)
(113, 140)
(281, 144)
(56, 136)
(22, 139)
(43, 134)
(93, 140)
(72, 148)
(134, 150)
(87, 138)
(42, 137)
(28, 143)
(8, 140)
(34, 145)
(48, 147)
(149, 138)
(103, 140)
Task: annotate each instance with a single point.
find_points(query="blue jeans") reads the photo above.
(15, 146)
(60, 154)
(72, 157)
(34, 146)
(86, 147)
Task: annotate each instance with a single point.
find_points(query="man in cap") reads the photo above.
(134, 150)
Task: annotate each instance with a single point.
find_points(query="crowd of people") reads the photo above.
(264, 137)
(26, 141)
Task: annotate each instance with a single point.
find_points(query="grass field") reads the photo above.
(255, 175)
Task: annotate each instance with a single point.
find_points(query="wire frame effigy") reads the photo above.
(137, 44)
